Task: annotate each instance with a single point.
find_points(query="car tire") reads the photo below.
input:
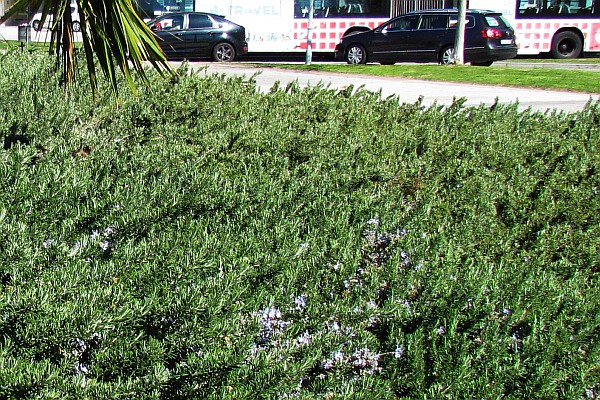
(76, 26)
(447, 55)
(223, 52)
(35, 24)
(566, 44)
(482, 64)
(356, 54)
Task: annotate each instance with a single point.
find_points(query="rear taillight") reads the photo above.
(491, 33)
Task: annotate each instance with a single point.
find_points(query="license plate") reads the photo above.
(506, 41)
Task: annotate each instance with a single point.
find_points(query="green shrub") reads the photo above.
(204, 240)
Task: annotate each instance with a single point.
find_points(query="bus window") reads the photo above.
(151, 8)
(557, 8)
(343, 8)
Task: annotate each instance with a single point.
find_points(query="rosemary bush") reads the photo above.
(204, 240)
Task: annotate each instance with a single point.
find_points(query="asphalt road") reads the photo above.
(410, 90)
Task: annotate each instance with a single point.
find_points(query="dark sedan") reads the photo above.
(199, 35)
(428, 36)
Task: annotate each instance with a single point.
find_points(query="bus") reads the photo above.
(282, 25)
(563, 28)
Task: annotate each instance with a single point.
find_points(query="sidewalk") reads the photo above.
(9, 33)
(12, 33)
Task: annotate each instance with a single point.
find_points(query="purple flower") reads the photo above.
(373, 221)
(399, 352)
(338, 355)
(301, 301)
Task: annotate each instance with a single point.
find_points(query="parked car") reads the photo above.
(428, 36)
(199, 35)
(36, 20)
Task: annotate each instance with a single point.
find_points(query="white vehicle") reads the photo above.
(37, 18)
(564, 28)
(282, 25)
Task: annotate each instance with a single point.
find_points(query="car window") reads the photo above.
(469, 22)
(171, 23)
(434, 22)
(200, 21)
(495, 21)
(403, 24)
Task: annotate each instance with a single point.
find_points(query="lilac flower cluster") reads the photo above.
(591, 394)
(378, 245)
(47, 243)
(272, 325)
(81, 349)
(376, 250)
(353, 357)
(103, 239)
(362, 361)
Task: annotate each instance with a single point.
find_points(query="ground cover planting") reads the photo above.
(204, 240)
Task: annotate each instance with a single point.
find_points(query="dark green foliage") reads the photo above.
(207, 241)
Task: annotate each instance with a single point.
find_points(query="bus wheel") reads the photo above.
(356, 54)
(566, 44)
(223, 52)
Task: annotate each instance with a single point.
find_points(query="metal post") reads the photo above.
(459, 44)
(311, 12)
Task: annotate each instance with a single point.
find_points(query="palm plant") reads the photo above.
(112, 32)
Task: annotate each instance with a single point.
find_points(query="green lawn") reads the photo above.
(587, 81)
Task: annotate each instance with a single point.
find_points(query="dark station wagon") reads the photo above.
(429, 36)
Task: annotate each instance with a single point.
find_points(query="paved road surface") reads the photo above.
(410, 90)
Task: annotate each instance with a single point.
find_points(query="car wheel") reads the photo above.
(36, 25)
(566, 45)
(76, 26)
(223, 52)
(356, 54)
(482, 64)
(447, 55)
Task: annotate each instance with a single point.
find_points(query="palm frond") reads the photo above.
(112, 33)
